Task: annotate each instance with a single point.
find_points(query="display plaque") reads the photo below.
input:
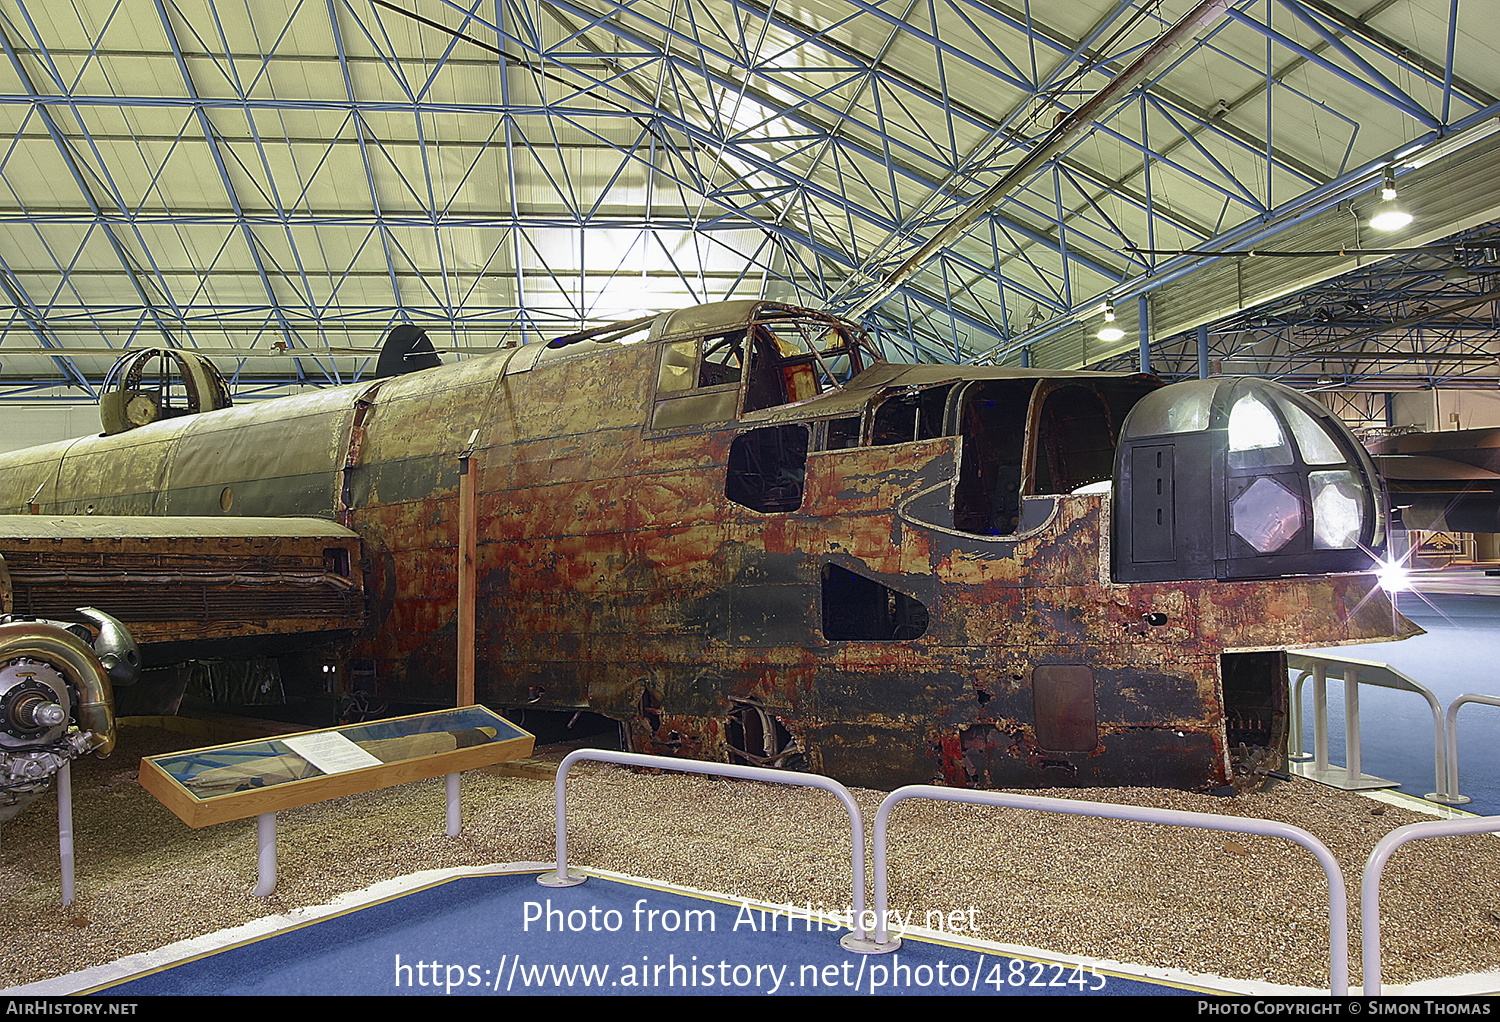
(244, 779)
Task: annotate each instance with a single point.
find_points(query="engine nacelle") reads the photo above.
(56, 699)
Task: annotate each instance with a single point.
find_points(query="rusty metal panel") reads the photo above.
(584, 396)
(1063, 697)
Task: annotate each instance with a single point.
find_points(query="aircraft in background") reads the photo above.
(1445, 481)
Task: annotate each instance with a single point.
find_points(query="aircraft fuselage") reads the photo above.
(739, 561)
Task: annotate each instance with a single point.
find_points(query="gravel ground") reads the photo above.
(1234, 905)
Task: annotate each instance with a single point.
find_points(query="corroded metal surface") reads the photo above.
(615, 575)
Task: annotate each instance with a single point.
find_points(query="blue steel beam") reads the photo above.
(101, 171)
(1403, 54)
(810, 218)
(36, 323)
(1376, 85)
(66, 152)
(354, 108)
(246, 233)
(726, 82)
(275, 193)
(1401, 320)
(756, 160)
(210, 104)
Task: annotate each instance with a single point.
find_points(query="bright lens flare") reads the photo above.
(1393, 575)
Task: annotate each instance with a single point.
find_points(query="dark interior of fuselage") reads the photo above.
(1255, 710)
(1021, 437)
(1025, 437)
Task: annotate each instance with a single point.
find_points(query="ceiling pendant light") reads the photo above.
(1390, 215)
(1110, 332)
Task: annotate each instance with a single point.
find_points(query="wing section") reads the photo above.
(1444, 482)
(188, 586)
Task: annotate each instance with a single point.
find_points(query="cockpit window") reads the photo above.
(723, 360)
(699, 380)
(780, 357)
(992, 421)
(793, 358)
(1074, 439)
(1027, 437)
(677, 365)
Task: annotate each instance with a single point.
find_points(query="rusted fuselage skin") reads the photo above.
(844, 617)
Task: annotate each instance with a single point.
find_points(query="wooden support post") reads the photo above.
(468, 540)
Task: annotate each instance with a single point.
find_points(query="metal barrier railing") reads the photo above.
(1369, 911)
(1451, 795)
(1354, 673)
(855, 941)
(882, 941)
(1338, 909)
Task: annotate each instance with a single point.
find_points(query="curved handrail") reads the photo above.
(1369, 885)
(1338, 908)
(1453, 797)
(1355, 673)
(562, 878)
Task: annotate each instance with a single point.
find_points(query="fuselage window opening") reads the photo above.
(1075, 440)
(843, 433)
(1026, 437)
(768, 469)
(859, 609)
(991, 417)
(904, 418)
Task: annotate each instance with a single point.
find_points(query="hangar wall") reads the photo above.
(1435, 410)
(26, 425)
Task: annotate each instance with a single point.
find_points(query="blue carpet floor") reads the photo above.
(507, 935)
